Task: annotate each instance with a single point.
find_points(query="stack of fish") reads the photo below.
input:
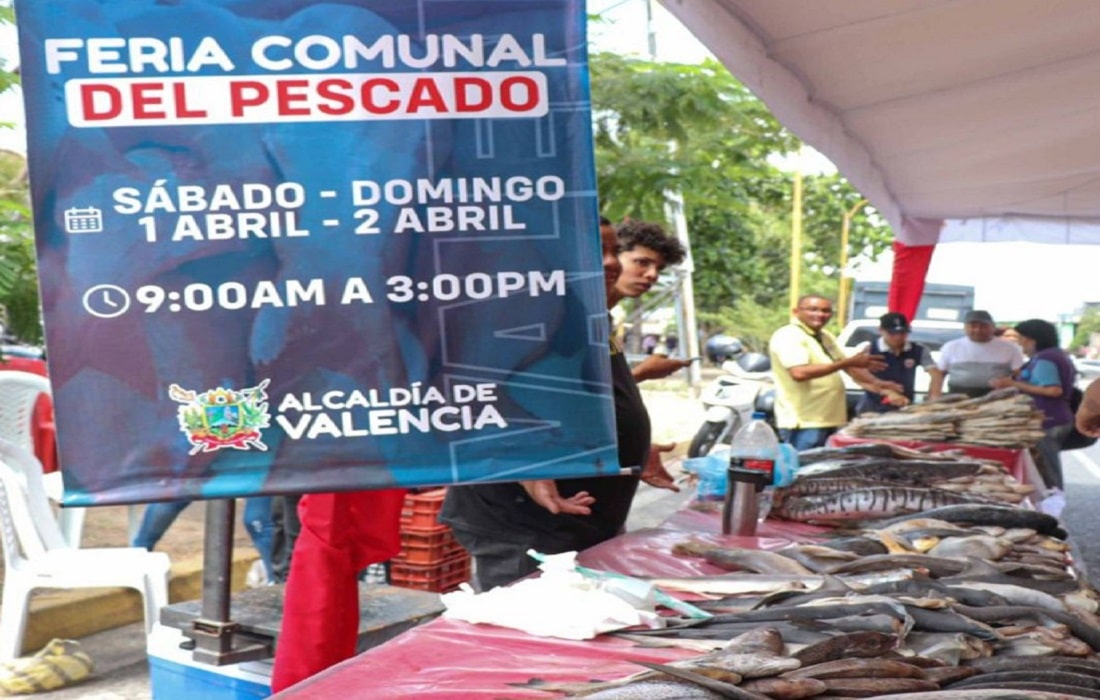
(925, 606)
(859, 484)
(1002, 418)
(759, 665)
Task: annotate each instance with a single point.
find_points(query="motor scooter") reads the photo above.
(730, 400)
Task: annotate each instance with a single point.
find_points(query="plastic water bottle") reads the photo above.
(754, 452)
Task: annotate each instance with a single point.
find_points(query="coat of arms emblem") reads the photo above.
(222, 418)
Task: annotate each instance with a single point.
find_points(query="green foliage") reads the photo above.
(18, 280)
(1089, 324)
(697, 130)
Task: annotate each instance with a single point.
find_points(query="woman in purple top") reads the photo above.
(1048, 379)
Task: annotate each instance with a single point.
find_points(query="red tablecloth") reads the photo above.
(445, 659)
(448, 659)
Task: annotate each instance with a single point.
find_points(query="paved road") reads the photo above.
(1081, 471)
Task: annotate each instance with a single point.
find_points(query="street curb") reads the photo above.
(71, 614)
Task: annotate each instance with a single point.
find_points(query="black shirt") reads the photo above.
(505, 511)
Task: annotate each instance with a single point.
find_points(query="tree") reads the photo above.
(697, 130)
(18, 279)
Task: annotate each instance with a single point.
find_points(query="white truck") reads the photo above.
(938, 320)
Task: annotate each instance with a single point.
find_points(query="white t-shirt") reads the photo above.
(971, 365)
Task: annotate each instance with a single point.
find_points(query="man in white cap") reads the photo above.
(975, 359)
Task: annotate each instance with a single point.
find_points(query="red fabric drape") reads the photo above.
(342, 533)
(907, 282)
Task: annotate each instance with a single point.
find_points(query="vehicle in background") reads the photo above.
(730, 400)
(857, 337)
(938, 302)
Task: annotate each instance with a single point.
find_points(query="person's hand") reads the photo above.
(867, 361)
(884, 387)
(654, 472)
(658, 367)
(894, 398)
(545, 493)
(1087, 418)
(1002, 382)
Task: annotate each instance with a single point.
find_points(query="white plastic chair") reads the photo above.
(37, 556)
(19, 392)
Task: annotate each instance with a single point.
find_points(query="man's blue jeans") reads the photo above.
(805, 438)
(158, 517)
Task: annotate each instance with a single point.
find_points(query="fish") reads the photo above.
(947, 621)
(989, 514)
(980, 694)
(816, 558)
(1037, 675)
(982, 546)
(860, 504)
(1041, 641)
(852, 645)
(740, 583)
(856, 545)
(1084, 629)
(939, 567)
(858, 668)
(873, 687)
(725, 690)
(785, 688)
(1078, 665)
(1009, 593)
(950, 647)
(949, 674)
(759, 561)
(1052, 681)
(654, 689)
(901, 471)
(702, 646)
(869, 449)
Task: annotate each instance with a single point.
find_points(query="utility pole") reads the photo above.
(845, 281)
(796, 234)
(674, 211)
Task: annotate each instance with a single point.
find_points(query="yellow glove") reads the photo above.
(58, 664)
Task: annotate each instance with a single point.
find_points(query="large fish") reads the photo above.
(989, 514)
(725, 690)
(858, 668)
(980, 694)
(865, 503)
(901, 471)
(855, 644)
(759, 561)
(739, 583)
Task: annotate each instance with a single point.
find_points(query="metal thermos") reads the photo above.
(740, 509)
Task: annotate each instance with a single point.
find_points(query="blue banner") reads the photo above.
(289, 246)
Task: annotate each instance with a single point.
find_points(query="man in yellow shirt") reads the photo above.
(810, 401)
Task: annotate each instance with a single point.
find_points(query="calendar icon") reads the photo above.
(87, 220)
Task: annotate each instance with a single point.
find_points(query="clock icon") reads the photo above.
(106, 301)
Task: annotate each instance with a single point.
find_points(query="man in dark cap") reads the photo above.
(902, 359)
(975, 359)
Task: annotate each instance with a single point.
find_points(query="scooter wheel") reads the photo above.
(705, 439)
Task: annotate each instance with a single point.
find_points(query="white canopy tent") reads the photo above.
(957, 119)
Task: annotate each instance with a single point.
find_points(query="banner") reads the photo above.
(293, 246)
